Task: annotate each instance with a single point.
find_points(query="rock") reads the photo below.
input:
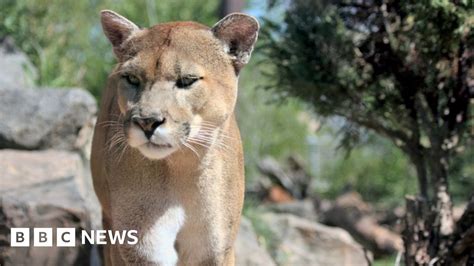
(302, 242)
(271, 168)
(16, 70)
(45, 189)
(248, 252)
(301, 208)
(20, 214)
(60, 178)
(292, 179)
(45, 118)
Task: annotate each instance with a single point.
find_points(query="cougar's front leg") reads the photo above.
(229, 258)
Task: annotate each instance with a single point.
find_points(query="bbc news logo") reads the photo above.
(66, 237)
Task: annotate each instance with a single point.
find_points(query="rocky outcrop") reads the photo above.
(45, 118)
(301, 242)
(45, 189)
(248, 251)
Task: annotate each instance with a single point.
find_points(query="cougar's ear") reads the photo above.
(238, 33)
(116, 28)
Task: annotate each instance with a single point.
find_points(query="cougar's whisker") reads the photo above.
(189, 146)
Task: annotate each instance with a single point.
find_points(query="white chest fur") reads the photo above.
(158, 242)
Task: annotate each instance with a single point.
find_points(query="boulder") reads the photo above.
(248, 251)
(302, 242)
(16, 70)
(45, 118)
(45, 189)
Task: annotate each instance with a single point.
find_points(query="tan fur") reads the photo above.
(135, 190)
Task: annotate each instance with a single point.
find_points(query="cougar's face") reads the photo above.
(176, 84)
(171, 92)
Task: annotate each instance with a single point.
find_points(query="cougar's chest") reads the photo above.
(158, 243)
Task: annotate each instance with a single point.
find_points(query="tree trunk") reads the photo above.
(443, 222)
(416, 232)
(429, 223)
(421, 172)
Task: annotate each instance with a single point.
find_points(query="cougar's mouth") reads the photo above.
(160, 146)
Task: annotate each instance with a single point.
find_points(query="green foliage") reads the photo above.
(377, 170)
(462, 171)
(399, 68)
(267, 127)
(52, 37)
(386, 261)
(380, 172)
(345, 61)
(65, 40)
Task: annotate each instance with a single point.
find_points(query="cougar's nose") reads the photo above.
(148, 124)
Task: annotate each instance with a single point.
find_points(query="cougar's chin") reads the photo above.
(156, 151)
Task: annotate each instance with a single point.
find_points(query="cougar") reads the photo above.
(167, 156)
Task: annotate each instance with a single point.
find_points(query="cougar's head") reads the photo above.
(176, 80)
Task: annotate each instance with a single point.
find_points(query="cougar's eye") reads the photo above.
(185, 82)
(131, 79)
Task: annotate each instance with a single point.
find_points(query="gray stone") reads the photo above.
(45, 118)
(45, 189)
(248, 251)
(16, 70)
(302, 242)
(49, 177)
